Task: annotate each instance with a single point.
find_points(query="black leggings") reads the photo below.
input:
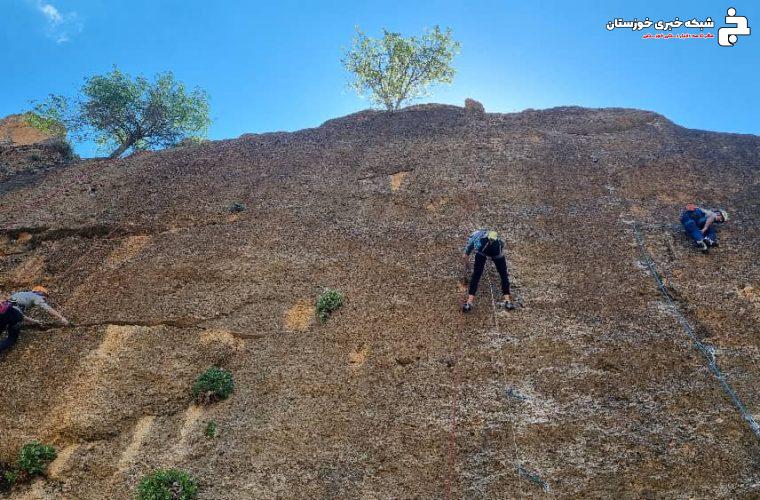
(12, 321)
(477, 272)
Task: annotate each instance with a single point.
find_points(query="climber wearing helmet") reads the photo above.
(699, 224)
(12, 313)
(486, 244)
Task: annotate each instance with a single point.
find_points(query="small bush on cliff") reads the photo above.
(236, 207)
(210, 431)
(34, 457)
(63, 148)
(168, 484)
(329, 302)
(394, 69)
(192, 141)
(121, 112)
(8, 476)
(213, 385)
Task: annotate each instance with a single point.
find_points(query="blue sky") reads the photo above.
(275, 65)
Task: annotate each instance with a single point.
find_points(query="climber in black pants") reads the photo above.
(11, 320)
(486, 244)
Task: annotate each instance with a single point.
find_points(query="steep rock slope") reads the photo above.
(591, 390)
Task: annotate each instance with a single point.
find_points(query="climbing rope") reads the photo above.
(456, 383)
(519, 468)
(708, 352)
(503, 373)
(471, 205)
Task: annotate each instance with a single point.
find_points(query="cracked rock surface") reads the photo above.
(591, 390)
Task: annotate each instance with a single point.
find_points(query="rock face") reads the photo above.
(591, 390)
(25, 165)
(474, 106)
(15, 131)
(25, 153)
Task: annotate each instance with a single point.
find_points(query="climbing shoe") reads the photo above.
(467, 307)
(702, 246)
(710, 243)
(506, 304)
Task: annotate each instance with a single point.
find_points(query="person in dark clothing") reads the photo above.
(700, 225)
(12, 313)
(10, 320)
(486, 244)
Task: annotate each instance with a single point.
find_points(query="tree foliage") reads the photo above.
(393, 69)
(122, 113)
(50, 125)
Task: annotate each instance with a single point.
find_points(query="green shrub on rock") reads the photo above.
(63, 147)
(236, 207)
(213, 385)
(8, 476)
(210, 431)
(34, 457)
(167, 484)
(329, 302)
(191, 141)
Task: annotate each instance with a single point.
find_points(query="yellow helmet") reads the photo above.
(724, 214)
(493, 235)
(41, 290)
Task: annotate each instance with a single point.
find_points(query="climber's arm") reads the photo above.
(54, 313)
(708, 223)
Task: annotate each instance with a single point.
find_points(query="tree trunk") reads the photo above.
(120, 150)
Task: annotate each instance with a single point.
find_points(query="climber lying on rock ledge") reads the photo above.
(12, 313)
(700, 225)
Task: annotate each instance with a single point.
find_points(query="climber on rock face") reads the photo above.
(486, 244)
(699, 224)
(12, 313)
